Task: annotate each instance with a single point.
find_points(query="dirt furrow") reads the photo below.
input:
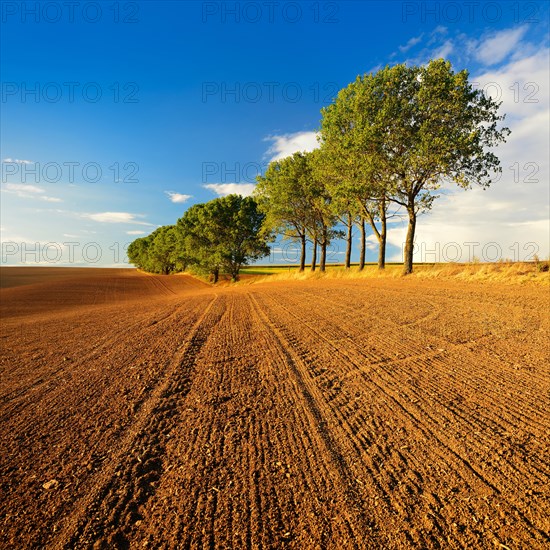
(110, 513)
(525, 413)
(420, 418)
(141, 411)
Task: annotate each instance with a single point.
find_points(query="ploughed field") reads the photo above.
(145, 411)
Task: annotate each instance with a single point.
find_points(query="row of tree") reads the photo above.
(387, 143)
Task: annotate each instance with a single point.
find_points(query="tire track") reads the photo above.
(360, 524)
(110, 512)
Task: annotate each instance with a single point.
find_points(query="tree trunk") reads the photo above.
(382, 238)
(323, 261)
(215, 275)
(303, 253)
(314, 256)
(363, 245)
(409, 243)
(235, 268)
(349, 242)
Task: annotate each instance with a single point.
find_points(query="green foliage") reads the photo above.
(404, 131)
(158, 252)
(282, 196)
(218, 236)
(295, 200)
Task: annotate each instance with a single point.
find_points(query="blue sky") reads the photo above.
(117, 116)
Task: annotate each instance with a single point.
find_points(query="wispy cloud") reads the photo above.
(115, 217)
(412, 42)
(24, 188)
(135, 232)
(496, 47)
(50, 199)
(489, 49)
(25, 191)
(286, 144)
(224, 189)
(177, 197)
(445, 50)
(18, 161)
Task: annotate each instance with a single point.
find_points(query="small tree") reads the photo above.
(156, 253)
(223, 235)
(162, 251)
(323, 214)
(196, 243)
(137, 252)
(282, 197)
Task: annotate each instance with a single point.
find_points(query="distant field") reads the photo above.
(20, 276)
(509, 272)
(389, 412)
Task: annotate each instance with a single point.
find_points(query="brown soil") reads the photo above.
(146, 411)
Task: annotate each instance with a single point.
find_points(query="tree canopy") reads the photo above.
(388, 142)
(216, 237)
(224, 234)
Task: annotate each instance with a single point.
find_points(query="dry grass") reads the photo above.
(502, 272)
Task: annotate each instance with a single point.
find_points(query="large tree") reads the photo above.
(223, 235)
(399, 134)
(432, 127)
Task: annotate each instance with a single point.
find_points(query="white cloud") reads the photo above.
(224, 189)
(115, 217)
(496, 47)
(25, 191)
(18, 161)
(286, 144)
(522, 86)
(444, 50)
(135, 232)
(412, 42)
(24, 188)
(177, 197)
(50, 199)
